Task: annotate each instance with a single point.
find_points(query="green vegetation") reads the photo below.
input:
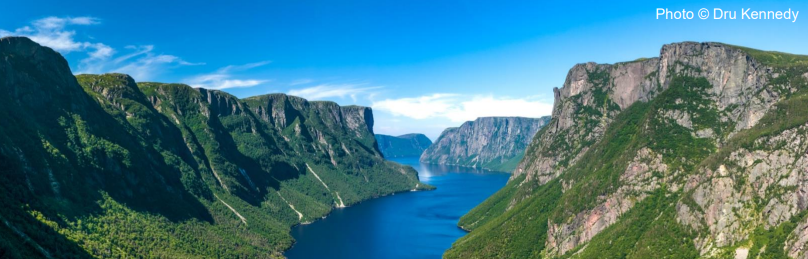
(508, 165)
(640, 125)
(511, 234)
(774, 58)
(494, 206)
(650, 228)
(774, 237)
(101, 166)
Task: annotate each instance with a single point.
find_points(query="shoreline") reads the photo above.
(421, 189)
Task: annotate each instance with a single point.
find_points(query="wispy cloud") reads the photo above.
(421, 107)
(223, 78)
(323, 91)
(138, 61)
(51, 32)
(238, 68)
(460, 108)
(301, 82)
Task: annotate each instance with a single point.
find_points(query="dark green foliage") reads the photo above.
(675, 142)
(491, 207)
(765, 242)
(511, 234)
(102, 166)
(599, 171)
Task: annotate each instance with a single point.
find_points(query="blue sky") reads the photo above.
(422, 65)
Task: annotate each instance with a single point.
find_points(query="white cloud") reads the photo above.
(50, 31)
(301, 82)
(85, 20)
(422, 107)
(237, 68)
(140, 62)
(460, 108)
(323, 91)
(58, 23)
(223, 77)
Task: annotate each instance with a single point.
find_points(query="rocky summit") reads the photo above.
(104, 166)
(493, 143)
(700, 152)
(407, 145)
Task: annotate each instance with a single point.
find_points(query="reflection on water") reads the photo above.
(426, 171)
(406, 225)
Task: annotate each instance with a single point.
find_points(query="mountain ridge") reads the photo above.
(641, 155)
(196, 172)
(493, 143)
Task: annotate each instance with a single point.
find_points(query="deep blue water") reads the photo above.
(419, 224)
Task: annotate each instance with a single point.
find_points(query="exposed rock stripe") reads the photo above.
(299, 215)
(318, 177)
(244, 220)
(341, 204)
(219, 178)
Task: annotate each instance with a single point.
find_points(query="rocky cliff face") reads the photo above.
(494, 143)
(407, 145)
(199, 172)
(691, 143)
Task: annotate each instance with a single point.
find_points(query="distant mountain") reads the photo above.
(103, 166)
(494, 143)
(701, 152)
(405, 145)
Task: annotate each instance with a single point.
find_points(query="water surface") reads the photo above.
(405, 225)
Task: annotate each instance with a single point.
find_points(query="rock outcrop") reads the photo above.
(407, 145)
(493, 143)
(706, 141)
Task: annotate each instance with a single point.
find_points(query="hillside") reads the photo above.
(493, 143)
(406, 145)
(103, 166)
(700, 152)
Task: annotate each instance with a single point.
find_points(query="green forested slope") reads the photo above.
(102, 166)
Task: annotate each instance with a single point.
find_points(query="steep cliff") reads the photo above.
(699, 152)
(102, 166)
(494, 143)
(406, 145)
